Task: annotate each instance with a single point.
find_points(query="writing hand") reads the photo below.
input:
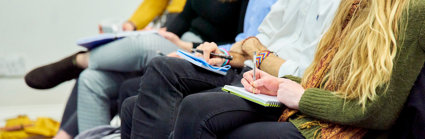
(265, 83)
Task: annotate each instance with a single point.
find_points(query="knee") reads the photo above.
(92, 80)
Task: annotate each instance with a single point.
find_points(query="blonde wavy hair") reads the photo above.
(367, 47)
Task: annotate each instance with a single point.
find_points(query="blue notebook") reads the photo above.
(200, 62)
(101, 39)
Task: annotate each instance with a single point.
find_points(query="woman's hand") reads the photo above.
(207, 48)
(128, 26)
(290, 93)
(175, 39)
(265, 83)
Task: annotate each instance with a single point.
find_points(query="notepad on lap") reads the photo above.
(264, 100)
(101, 39)
(200, 62)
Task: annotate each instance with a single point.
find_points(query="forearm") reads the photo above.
(272, 64)
(187, 46)
(378, 114)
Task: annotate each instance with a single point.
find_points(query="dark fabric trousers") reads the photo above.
(165, 83)
(223, 115)
(69, 118)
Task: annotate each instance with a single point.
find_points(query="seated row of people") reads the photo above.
(341, 69)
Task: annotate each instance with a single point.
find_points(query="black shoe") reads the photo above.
(49, 76)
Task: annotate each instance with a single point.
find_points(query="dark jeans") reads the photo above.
(126, 116)
(165, 83)
(69, 118)
(223, 115)
(128, 88)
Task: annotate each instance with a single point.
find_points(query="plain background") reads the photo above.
(45, 31)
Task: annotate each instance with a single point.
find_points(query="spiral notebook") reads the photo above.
(264, 100)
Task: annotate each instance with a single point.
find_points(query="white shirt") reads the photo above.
(293, 29)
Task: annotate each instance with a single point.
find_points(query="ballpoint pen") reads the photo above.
(255, 66)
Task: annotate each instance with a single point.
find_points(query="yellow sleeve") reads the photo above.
(147, 11)
(176, 6)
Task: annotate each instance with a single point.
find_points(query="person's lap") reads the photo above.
(165, 82)
(223, 115)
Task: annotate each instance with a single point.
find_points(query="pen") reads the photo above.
(214, 54)
(255, 65)
(253, 75)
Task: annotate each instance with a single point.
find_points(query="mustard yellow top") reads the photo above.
(150, 9)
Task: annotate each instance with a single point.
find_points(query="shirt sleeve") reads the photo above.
(147, 11)
(272, 22)
(290, 67)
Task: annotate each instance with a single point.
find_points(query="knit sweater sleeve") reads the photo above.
(147, 11)
(422, 39)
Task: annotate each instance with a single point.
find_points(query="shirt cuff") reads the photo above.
(289, 68)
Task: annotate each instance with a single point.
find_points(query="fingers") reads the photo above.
(207, 48)
(248, 76)
(216, 61)
(248, 87)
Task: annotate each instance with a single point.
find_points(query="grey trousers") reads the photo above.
(109, 66)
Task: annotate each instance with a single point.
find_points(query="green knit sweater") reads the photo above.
(380, 114)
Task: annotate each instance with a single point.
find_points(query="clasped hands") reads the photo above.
(287, 91)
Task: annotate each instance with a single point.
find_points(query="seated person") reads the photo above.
(362, 73)
(291, 29)
(51, 75)
(96, 86)
(255, 13)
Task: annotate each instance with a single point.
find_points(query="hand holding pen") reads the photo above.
(264, 84)
(212, 54)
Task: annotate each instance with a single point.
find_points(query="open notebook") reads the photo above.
(264, 100)
(200, 62)
(104, 38)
